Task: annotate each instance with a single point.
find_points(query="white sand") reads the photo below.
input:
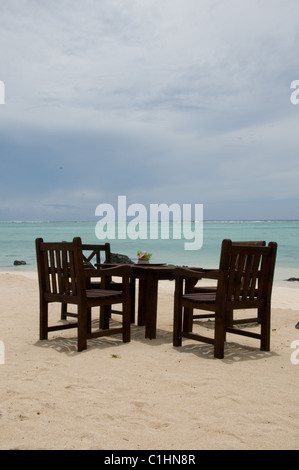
(151, 396)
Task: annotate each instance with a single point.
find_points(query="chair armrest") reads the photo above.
(197, 273)
(119, 270)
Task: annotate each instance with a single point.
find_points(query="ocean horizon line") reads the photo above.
(95, 221)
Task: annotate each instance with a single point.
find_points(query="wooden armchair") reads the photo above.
(64, 279)
(201, 289)
(244, 281)
(93, 256)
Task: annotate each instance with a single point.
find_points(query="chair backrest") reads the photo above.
(60, 269)
(248, 270)
(248, 243)
(97, 253)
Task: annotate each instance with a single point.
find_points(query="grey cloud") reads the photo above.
(172, 100)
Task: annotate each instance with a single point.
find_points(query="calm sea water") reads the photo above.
(17, 243)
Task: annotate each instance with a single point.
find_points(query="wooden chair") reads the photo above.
(201, 289)
(93, 256)
(63, 278)
(244, 281)
(97, 254)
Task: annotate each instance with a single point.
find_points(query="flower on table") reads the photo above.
(143, 255)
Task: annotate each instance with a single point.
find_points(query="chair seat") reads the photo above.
(207, 302)
(207, 297)
(103, 294)
(200, 297)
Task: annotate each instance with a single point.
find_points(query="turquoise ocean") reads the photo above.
(17, 242)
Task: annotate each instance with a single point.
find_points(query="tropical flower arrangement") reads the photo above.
(143, 256)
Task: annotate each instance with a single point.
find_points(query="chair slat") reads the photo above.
(232, 276)
(254, 276)
(263, 277)
(239, 276)
(59, 273)
(44, 260)
(247, 277)
(91, 256)
(52, 272)
(96, 252)
(73, 280)
(65, 270)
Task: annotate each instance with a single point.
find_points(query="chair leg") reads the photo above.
(126, 322)
(264, 315)
(63, 311)
(219, 334)
(105, 314)
(229, 317)
(188, 320)
(132, 295)
(43, 321)
(82, 327)
(177, 325)
(88, 320)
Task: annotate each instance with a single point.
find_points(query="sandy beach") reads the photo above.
(146, 394)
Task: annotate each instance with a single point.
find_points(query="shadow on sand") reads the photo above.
(233, 353)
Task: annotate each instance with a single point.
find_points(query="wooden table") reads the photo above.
(149, 276)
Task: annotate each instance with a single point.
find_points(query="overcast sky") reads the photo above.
(163, 101)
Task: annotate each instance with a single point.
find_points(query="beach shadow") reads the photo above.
(69, 344)
(233, 352)
(162, 336)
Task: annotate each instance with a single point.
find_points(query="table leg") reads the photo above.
(142, 302)
(151, 307)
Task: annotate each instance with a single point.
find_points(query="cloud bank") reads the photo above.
(172, 101)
